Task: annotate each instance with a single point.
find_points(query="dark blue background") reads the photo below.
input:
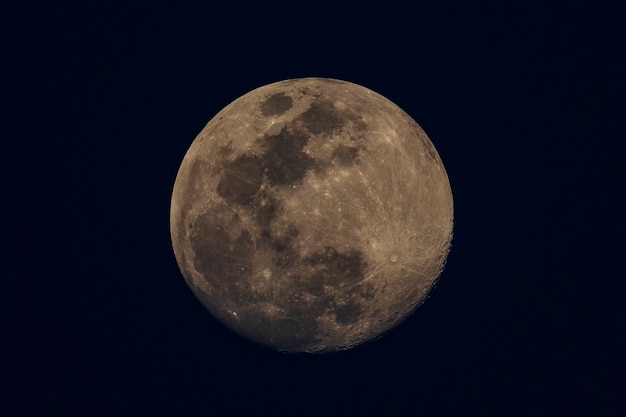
(524, 102)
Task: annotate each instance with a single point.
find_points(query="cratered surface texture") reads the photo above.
(311, 215)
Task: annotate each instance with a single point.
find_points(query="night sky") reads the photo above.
(524, 102)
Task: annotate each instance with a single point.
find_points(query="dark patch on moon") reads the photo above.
(265, 209)
(286, 255)
(312, 285)
(225, 150)
(322, 118)
(218, 256)
(348, 313)
(285, 162)
(337, 269)
(345, 155)
(241, 180)
(292, 333)
(297, 327)
(276, 104)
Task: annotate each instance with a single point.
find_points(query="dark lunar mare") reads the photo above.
(226, 262)
(276, 104)
(241, 180)
(298, 327)
(285, 161)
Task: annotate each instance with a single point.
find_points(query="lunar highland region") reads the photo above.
(311, 215)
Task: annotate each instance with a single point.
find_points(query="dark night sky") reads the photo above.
(524, 102)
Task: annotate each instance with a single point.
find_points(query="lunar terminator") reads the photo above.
(311, 215)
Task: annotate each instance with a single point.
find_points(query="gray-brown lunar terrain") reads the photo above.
(311, 215)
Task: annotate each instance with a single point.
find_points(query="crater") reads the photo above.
(276, 104)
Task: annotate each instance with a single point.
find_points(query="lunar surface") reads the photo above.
(311, 215)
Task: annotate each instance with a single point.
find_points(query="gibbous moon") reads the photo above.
(311, 215)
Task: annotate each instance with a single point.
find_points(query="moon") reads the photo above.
(311, 215)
